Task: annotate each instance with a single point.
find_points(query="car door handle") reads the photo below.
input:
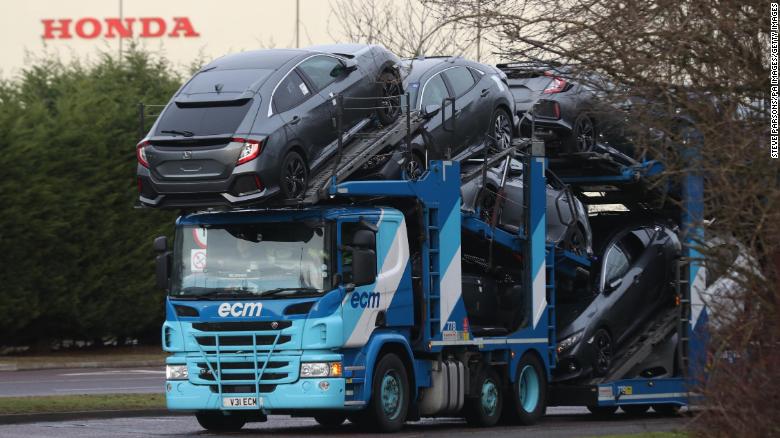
(484, 92)
(295, 120)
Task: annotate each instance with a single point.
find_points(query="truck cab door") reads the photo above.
(386, 299)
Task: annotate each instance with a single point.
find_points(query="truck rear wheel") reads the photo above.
(635, 409)
(219, 422)
(529, 392)
(390, 395)
(667, 409)
(484, 410)
(602, 411)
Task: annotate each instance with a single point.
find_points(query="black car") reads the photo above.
(632, 283)
(574, 114)
(566, 218)
(469, 107)
(250, 125)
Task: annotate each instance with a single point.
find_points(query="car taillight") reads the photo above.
(556, 86)
(140, 153)
(249, 151)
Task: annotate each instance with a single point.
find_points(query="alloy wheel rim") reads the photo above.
(414, 168)
(295, 177)
(585, 134)
(529, 388)
(487, 205)
(489, 397)
(391, 98)
(604, 352)
(502, 134)
(391, 394)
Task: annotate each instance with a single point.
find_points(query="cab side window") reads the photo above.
(322, 70)
(354, 236)
(291, 92)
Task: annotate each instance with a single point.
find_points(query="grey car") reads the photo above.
(567, 218)
(252, 125)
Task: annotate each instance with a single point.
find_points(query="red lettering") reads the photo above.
(182, 24)
(146, 29)
(49, 28)
(82, 24)
(122, 30)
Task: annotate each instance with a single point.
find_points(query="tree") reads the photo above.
(698, 67)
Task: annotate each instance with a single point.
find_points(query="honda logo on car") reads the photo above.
(239, 309)
(364, 299)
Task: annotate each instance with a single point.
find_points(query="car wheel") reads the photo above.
(602, 411)
(218, 422)
(528, 402)
(390, 102)
(583, 135)
(415, 166)
(487, 202)
(330, 419)
(635, 409)
(390, 400)
(667, 409)
(295, 176)
(602, 343)
(500, 131)
(484, 410)
(575, 242)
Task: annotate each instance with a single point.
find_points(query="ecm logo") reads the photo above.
(364, 299)
(240, 309)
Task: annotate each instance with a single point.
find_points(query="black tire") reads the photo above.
(487, 200)
(576, 242)
(390, 400)
(294, 176)
(635, 409)
(415, 166)
(667, 409)
(602, 343)
(602, 411)
(390, 102)
(583, 135)
(330, 419)
(500, 131)
(523, 407)
(219, 422)
(484, 410)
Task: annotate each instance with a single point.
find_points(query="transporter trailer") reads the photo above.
(351, 304)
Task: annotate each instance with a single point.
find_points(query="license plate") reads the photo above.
(240, 402)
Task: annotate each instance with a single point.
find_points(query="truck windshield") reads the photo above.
(247, 260)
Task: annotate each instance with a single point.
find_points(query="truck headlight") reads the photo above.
(569, 342)
(176, 372)
(321, 369)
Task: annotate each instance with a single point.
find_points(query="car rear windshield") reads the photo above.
(224, 81)
(203, 120)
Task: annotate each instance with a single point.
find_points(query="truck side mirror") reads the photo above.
(160, 244)
(162, 269)
(363, 266)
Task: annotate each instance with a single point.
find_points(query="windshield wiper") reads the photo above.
(218, 293)
(288, 289)
(173, 131)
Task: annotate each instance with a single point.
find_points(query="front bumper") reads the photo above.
(303, 394)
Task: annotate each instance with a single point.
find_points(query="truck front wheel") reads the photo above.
(390, 395)
(219, 422)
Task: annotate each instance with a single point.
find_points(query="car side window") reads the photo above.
(461, 80)
(616, 264)
(322, 70)
(291, 92)
(435, 92)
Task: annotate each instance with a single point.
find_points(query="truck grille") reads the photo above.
(233, 341)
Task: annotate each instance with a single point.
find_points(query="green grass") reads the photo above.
(77, 403)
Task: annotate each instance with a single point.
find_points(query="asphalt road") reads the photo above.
(81, 381)
(553, 425)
